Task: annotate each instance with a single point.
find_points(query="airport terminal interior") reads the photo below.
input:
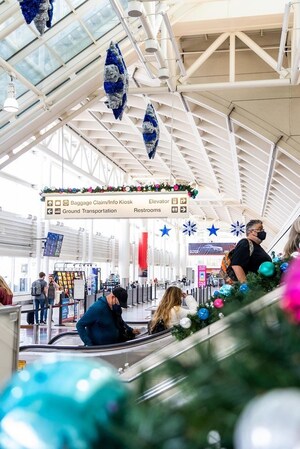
(137, 140)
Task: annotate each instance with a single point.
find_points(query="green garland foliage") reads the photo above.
(162, 187)
(257, 284)
(213, 393)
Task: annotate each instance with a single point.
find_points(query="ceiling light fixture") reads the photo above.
(135, 8)
(11, 104)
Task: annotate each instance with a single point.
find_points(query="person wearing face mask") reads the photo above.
(248, 254)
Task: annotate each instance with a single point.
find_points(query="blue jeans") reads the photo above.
(39, 303)
(50, 302)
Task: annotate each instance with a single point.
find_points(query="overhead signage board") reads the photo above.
(117, 205)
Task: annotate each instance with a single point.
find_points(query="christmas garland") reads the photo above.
(163, 187)
(231, 297)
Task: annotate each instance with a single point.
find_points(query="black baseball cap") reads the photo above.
(121, 294)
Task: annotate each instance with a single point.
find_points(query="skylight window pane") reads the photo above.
(60, 10)
(70, 42)
(36, 66)
(101, 20)
(16, 40)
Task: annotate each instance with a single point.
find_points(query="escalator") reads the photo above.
(218, 335)
(119, 355)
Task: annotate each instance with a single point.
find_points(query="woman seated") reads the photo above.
(170, 310)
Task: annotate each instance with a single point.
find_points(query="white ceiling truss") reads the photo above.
(224, 82)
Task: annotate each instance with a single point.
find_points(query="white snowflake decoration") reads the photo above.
(189, 228)
(237, 228)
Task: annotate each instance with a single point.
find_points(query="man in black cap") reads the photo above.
(102, 322)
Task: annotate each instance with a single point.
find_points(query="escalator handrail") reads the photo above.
(117, 346)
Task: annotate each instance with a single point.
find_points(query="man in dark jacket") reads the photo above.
(248, 254)
(98, 326)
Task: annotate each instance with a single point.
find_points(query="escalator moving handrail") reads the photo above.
(129, 343)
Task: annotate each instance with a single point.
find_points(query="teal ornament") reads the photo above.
(276, 259)
(244, 288)
(267, 269)
(284, 266)
(62, 403)
(226, 290)
(203, 313)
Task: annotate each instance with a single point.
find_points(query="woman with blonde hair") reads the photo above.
(170, 310)
(292, 245)
(6, 294)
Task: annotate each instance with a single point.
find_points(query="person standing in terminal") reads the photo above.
(52, 288)
(170, 310)
(39, 292)
(99, 325)
(6, 295)
(248, 255)
(293, 244)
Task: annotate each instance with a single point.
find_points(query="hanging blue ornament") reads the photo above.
(115, 80)
(150, 131)
(216, 293)
(203, 313)
(237, 228)
(29, 9)
(212, 230)
(189, 228)
(165, 231)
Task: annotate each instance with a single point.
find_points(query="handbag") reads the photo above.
(159, 327)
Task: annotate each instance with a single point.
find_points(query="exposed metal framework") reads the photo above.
(222, 77)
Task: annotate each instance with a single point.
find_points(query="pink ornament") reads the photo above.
(139, 188)
(90, 189)
(218, 303)
(291, 295)
(176, 187)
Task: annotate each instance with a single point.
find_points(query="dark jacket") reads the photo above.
(241, 256)
(97, 326)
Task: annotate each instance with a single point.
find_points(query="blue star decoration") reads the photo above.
(165, 231)
(237, 228)
(189, 228)
(213, 230)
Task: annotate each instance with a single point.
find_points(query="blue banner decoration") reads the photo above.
(115, 80)
(150, 131)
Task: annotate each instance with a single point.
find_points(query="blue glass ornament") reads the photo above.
(150, 131)
(61, 403)
(216, 293)
(284, 266)
(203, 313)
(244, 288)
(267, 269)
(276, 259)
(226, 289)
(115, 80)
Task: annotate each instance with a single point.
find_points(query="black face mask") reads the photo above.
(261, 235)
